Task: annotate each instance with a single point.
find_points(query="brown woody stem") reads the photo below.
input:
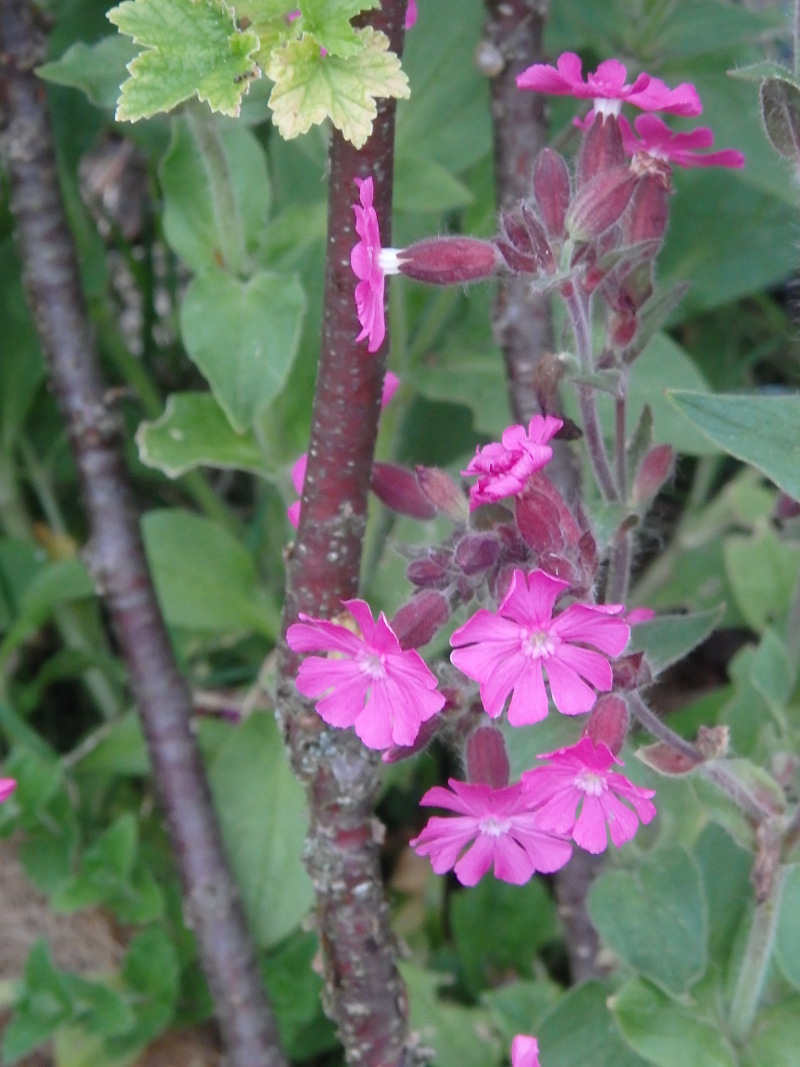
(363, 993)
(115, 554)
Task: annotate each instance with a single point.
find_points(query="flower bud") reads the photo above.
(647, 218)
(399, 490)
(608, 723)
(655, 469)
(601, 150)
(600, 203)
(551, 188)
(417, 621)
(527, 250)
(443, 493)
(664, 759)
(427, 732)
(477, 553)
(450, 260)
(487, 759)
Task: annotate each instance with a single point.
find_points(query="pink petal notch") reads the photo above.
(655, 139)
(579, 794)
(494, 829)
(364, 678)
(508, 651)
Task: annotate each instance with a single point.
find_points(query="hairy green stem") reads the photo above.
(754, 964)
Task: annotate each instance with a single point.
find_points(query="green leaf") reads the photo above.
(152, 974)
(758, 72)
(329, 22)
(459, 1036)
(21, 365)
(580, 1031)
(776, 1037)
(761, 430)
(120, 751)
(196, 211)
(771, 672)
(654, 918)
(294, 989)
(725, 873)
(517, 1006)
(243, 335)
(787, 937)
(42, 1006)
(667, 639)
(667, 1033)
(499, 928)
(780, 110)
(310, 87)
(195, 432)
(762, 572)
(191, 47)
(205, 579)
(262, 812)
(98, 70)
(420, 185)
(100, 1009)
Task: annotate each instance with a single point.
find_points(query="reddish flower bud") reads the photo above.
(601, 150)
(443, 493)
(417, 621)
(487, 759)
(538, 522)
(427, 732)
(399, 490)
(600, 203)
(450, 260)
(786, 507)
(551, 187)
(664, 759)
(432, 571)
(608, 723)
(632, 672)
(477, 553)
(655, 469)
(647, 218)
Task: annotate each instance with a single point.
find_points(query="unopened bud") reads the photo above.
(647, 218)
(417, 621)
(427, 732)
(786, 507)
(443, 493)
(601, 150)
(538, 522)
(527, 250)
(430, 572)
(608, 723)
(450, 260)
(600, 203)
(477, 553)
(487, 759)
(399, 490)
(666, 760)
(632, 672)
(655, 469)
(551, 188)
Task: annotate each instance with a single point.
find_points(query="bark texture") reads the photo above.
(115, 554)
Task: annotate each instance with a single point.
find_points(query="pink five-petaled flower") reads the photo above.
(370, 682)
(524, 1051)
(499, 826)
(607, 87)
(504, 468)
(298, 473)
(582, 776)
(509, 651)
(7, 787)
(370, 264)
(658, 140)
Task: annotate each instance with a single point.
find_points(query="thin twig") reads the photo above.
(116, 554)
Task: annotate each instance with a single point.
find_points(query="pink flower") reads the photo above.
(582, 777)
(658, 140)
(507, 652)
(524, 1051)
(607, 87)
(638, 615)
(391, 384)
(7, 787)
(504, 469)
(370, 682)
(370, 264)
(496, 827)
(411, 13)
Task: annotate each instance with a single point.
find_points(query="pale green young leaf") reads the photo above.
(329, 22)
(98, 69)
(190, 47)
(310, 87)
(195, 432)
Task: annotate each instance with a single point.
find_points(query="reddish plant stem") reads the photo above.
(363, 993)
(115, 554)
